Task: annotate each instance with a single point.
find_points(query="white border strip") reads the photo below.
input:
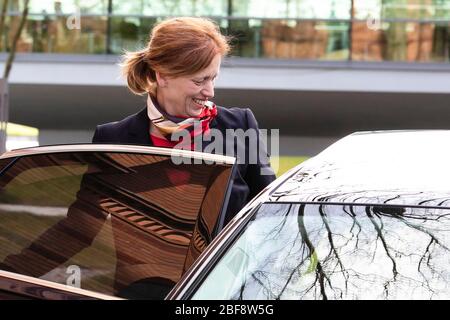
(57, 286)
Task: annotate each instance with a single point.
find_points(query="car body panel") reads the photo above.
(391, 167)
(16, 286)
(388, 172)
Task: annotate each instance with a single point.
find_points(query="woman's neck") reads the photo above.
(158, 102)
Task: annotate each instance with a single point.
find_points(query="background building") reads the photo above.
(315, 69)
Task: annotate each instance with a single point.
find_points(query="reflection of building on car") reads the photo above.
(367, 218)
(154, 208)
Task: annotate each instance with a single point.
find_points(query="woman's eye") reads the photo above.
(197, 82)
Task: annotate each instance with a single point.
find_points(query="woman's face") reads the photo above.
(186, 95)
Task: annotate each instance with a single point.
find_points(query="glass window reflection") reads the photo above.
(412, 9)
(69, 6)
(127, 222)
(327, 9)
(172, 7)
(412, 31)
(294, 251)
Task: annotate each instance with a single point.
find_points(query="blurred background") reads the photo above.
(315, 69)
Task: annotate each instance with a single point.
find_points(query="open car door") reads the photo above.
(123, 221)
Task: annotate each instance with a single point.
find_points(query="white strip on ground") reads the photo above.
(36, 210)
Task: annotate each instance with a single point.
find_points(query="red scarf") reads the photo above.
(167, 125)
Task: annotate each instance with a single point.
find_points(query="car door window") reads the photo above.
(119, 223)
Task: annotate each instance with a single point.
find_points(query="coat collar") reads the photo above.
(139, 130)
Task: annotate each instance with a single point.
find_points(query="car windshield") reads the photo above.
(313, 251)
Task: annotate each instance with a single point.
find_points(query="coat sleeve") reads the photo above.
(109, 133)
(259, 173)
(97, 135)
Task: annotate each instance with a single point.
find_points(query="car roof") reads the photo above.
(408, 167)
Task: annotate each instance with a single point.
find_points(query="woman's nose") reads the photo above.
(208, 89)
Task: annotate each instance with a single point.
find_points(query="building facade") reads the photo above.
(315, 69)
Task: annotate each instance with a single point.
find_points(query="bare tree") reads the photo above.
(4, 97)
(2, 21)
(12, 52)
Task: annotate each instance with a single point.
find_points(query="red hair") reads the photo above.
(177, 47)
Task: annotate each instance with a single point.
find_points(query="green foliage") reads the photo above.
(286, 163)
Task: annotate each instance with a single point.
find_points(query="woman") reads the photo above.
(177, 70)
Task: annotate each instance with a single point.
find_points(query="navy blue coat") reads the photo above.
(248, 180)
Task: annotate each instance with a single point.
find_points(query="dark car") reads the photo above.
(105, 221)
(368, 218)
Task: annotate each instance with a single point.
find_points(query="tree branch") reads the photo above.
(12, 53)
(2, 21)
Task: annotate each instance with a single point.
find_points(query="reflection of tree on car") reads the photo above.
(349, 223)
(152, 211)
(331, 251)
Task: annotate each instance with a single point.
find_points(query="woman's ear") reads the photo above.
(161, 80)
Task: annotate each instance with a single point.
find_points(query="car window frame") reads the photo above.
(190, 281)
